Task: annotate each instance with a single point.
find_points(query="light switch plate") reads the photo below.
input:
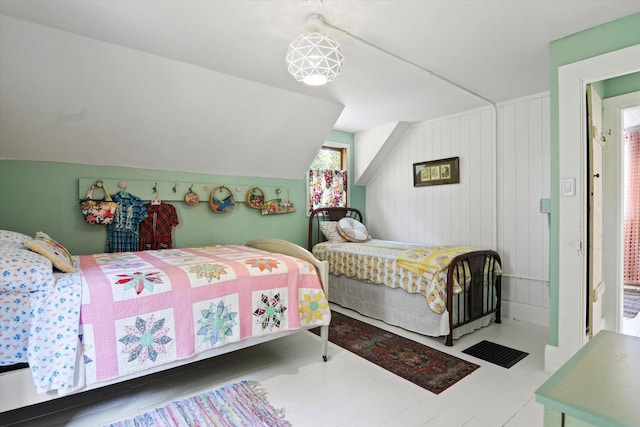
(569, 187)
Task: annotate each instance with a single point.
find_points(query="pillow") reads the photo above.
(54, 251)
(352, 230)
(329, 229)
(23, 271)
(14, 237)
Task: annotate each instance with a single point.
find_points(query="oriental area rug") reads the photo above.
(424, 366)
(239, 404)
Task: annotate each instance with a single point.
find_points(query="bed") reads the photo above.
(74, 323)
(432, 290)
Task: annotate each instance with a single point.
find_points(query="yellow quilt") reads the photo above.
(416, 269)
(432, 259)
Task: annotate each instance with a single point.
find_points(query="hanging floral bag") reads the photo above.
(99, 212)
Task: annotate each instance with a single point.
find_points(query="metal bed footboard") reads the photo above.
(478, 273)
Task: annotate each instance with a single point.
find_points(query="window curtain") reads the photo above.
(632, 208)
(327, 188)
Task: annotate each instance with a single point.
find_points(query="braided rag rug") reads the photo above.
(240, 404)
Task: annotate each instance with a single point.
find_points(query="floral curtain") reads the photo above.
(327, 188)
(632, 208)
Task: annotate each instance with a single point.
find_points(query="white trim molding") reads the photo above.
(572, 214)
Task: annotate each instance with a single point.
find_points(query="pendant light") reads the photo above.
(314, 58)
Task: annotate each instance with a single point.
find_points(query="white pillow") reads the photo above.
(352, 230)
(23, 271)
(13, 237)
(329, 229)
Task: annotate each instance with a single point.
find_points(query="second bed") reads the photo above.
(437, 291)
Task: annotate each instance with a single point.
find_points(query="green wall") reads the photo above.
(621, 85)
(43, 196)
(595, 41)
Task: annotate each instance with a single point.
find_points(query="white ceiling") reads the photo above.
(499, 50)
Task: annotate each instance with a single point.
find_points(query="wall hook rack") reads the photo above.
(152, 189)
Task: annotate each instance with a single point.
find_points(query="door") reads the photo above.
(595, 285)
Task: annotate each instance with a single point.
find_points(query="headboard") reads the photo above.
(327, 214)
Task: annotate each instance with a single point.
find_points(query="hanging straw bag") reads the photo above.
(99, 212)
(222, 206)
(191, 197)
(255, 198)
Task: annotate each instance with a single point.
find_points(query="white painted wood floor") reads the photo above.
(631, 326)
(346, 390)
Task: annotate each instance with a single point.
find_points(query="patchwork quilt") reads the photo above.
(145, 309)
(416, 269)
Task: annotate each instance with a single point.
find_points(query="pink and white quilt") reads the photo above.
(145, 309)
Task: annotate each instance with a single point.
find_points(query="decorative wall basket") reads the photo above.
(191, 198)
(224, 205)
(255, 198)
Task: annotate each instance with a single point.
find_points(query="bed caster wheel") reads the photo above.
(324, 358)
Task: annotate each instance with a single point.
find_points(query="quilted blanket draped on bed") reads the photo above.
(431, 259)
(145, 309)
(416, 269)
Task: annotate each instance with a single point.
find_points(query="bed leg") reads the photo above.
(499, 297)
(324, 337)
(449, 340)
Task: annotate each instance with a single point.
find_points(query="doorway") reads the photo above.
(571, 209)
(596, 141)
(631, 270)
(619, 114)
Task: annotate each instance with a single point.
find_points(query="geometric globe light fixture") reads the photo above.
(314, 58)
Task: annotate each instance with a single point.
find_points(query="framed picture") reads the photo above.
(436, 172)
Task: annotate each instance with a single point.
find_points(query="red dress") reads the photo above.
(155, 231)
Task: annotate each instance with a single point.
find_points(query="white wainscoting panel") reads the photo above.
(523, 232)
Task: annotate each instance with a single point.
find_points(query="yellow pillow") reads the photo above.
(54, 251)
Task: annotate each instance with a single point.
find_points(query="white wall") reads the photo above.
(523, 232)
(449, 214)
(73, 99)
(373, 146)
(496, 204)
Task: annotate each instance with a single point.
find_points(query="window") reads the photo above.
(327, 178)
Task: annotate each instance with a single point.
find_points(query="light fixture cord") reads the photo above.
(410, 63)
(444, 79)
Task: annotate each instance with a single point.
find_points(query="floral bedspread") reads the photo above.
(416, 269)
(144, 309)
(373, 261)
(53, 335)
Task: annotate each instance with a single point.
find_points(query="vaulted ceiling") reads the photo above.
(203, 86)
